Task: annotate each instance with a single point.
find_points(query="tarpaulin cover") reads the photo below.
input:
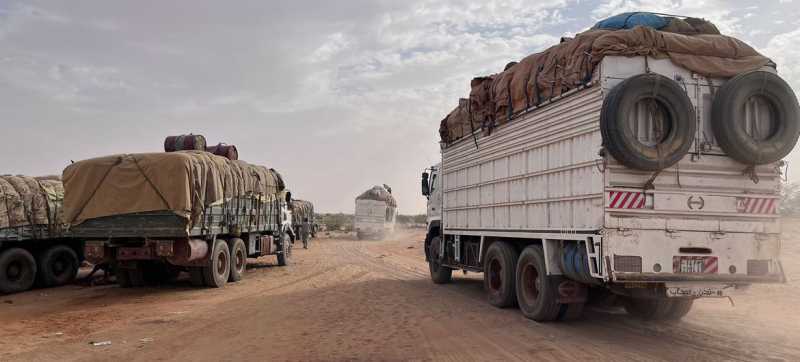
(28, 201)
(184, 182)
(631, 20)
(302, 210)
(379, 193)
(541, 76)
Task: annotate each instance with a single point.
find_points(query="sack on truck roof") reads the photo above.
(184, 182)
(185, 143)
(29, 201)
(694, 44)
(378, 193)
(228, 151)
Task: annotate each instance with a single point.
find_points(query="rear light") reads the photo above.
(628, 264)
(758, 267)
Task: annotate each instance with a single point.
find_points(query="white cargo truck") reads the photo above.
(649, 183)
(375, 213)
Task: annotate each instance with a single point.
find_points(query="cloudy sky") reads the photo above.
(337, 95)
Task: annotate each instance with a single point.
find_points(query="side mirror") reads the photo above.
(426, 188)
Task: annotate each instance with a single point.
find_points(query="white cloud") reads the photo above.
(783, 50)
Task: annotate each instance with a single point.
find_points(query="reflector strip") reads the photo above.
(626, 200)
(757, 205)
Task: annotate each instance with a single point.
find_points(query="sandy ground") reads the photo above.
(359, 300)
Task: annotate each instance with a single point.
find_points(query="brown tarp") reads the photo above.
(566, 66)
(29, 201)
(185, 182)
(302, 210)
(378, 193)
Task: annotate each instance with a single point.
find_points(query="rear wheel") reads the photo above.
(439, 274)
(658, 309)
(537, 293)
(17, 271)
(499, 274)
(196, 276)
(130, 278)
(57, 265)
(238, 260)
(218, 270)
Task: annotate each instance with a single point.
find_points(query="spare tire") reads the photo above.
(648, 122)
(755, 118)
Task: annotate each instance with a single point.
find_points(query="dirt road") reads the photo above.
(352, 300)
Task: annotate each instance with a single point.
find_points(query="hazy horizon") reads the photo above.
(337, 96)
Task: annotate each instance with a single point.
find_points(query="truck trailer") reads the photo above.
(375, 213)
(153, 215)
(34, 248)
(653, 177)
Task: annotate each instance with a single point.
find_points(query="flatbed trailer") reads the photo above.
(228, 211)
(36, 251)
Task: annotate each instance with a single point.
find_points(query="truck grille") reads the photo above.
(627, 264)
(757, 267)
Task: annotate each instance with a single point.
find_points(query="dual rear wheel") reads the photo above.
(20, 271)
(520, 279)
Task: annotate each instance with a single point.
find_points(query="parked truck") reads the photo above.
(303, 220)
(34, 248)
(153, 215)
(375, 213)
(615, 164)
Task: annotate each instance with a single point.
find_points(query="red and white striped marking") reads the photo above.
(757, 205)
(626, 200)
(695, 264)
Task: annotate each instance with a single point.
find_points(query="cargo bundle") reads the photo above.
(379, 193)
(30, 206)
(184, 183)
(691, 43)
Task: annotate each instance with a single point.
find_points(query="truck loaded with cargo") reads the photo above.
(34, 248)
(303, 220)
(639, 160)
(154, 215)
(375, 213)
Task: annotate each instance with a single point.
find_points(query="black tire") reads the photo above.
(130, 278)
(570, 312)
(670, 144)
(658, 309)
(499, 275)
(439, 274)
(238, 260)
(17, 271)
(218, 270)
(680, 308)
(285, 253)
(57, 265)
(537, 293)
(729, 118)
(196, 278)
(158, 273)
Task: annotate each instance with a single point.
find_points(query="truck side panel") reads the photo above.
(538, 173)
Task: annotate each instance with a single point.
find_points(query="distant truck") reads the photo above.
(303, 220)
(375, 213)
(34, 248)
(655, 180)
(153, 215)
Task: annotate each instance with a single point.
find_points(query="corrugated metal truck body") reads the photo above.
(698, 228)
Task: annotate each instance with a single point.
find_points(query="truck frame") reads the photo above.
(548, 216)
(146, 248)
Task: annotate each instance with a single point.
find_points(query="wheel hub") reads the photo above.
(14, 271)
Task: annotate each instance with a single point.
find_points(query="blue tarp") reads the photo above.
(631, 20)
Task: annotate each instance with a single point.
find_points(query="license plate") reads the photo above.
(696, 291)
(695, 264)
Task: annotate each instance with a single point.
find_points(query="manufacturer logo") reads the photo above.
(696, 203)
